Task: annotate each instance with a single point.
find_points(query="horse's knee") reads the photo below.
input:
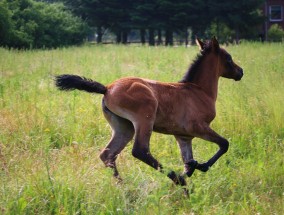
(224, 145)
(105, 156)
(139, 153)
(144, 155)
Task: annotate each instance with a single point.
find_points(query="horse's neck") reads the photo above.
(207, 78)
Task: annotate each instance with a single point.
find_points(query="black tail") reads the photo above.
(72, 82)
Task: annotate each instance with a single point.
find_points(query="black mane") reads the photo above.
(194, 67)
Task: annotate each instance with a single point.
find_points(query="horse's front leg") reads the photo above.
(185, 146)
(208, 134)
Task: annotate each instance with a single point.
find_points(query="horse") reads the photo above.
(136, 107)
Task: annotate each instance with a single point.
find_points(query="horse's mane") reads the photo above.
(194, 67)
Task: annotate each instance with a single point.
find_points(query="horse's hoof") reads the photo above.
(118, 179)
(186, 192)
(177, 179)
(181, 181)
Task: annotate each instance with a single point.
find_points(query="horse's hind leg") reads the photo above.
(122, 133)
(141, 148)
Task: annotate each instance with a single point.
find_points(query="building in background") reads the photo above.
(274, 11)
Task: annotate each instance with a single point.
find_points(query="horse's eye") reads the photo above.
(229, 59)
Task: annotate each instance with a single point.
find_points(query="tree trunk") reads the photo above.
(194, 34)
(118, 37)
(151, 37)
(99, 34)
(124, 36)
(142, 35)
(237, 36)
(160, 41)
(218, 29)
(186, 37)
(169, 38)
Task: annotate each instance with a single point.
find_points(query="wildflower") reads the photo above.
(47, 130)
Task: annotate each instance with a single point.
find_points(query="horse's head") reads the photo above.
(225, 65)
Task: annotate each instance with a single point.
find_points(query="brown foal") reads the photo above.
(134, 107)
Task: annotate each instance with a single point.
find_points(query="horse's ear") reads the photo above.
(200, 44)
(215, 44)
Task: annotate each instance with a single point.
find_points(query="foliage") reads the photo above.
(50, 140)
(39, 24)
(239, 16)
(222, 31)
(169, 16)
(275, 33)
(5, 23)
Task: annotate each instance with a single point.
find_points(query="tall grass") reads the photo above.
(50, 140)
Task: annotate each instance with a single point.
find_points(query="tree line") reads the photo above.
(235, 19)
(63, 22)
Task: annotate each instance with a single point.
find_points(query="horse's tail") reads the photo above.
(72, 82)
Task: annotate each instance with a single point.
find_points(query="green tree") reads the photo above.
(5, 23)
(94, 12)
(180, 15)
(275, 33)
(143, 18)
(119, 13)
(166, 8)
(240, 16)
(40, 24)
(112, 14)
(170, 16)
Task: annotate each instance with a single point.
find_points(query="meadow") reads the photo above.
(50, 140)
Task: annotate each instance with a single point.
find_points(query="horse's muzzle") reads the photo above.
(239, 75)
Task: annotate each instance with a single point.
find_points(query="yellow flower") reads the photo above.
(47, 130)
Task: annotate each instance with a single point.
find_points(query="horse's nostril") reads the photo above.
(239, 74)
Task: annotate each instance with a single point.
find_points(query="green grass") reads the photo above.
(50, 140)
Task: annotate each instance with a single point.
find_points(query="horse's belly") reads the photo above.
(170, 128)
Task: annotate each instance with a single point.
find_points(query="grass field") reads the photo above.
(50, 140)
